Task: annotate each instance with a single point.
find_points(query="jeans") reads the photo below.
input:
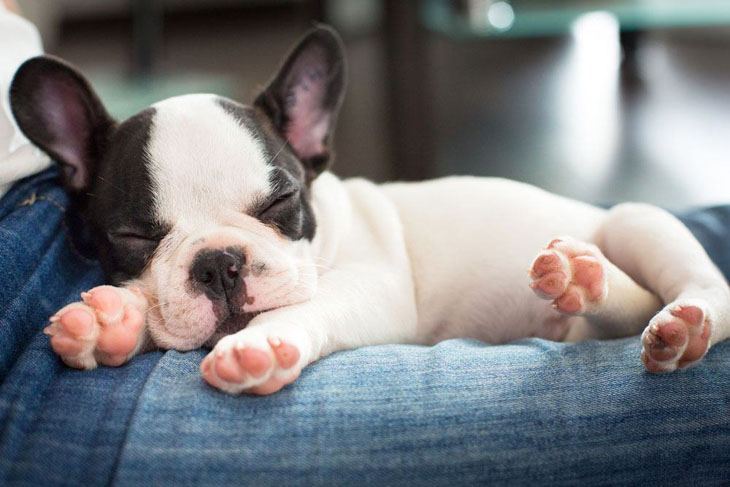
(461, 412)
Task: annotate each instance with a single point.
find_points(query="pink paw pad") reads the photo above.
(120, 338)
(675, 338)
(254, 362)
(588, 273)
(570, 273)
(231, 369)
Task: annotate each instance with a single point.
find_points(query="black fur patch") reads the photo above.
(293, 216)
(120, 209)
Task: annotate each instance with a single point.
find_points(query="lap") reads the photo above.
(462, 411)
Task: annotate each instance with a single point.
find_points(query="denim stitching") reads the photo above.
(34, 198)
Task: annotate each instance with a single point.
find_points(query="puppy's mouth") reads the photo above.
(233, 323)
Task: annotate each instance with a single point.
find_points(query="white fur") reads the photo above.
(203, 162)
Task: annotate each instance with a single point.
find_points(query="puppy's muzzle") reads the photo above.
(219, 274)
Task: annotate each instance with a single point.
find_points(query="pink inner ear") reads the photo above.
(69, 125)
(309, 122)
(306, 134)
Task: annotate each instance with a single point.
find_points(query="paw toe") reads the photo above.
(253, 361)
(588, 273)
(551, 285)
(546, 263)
(653, 366)
(662, 352)
(697, 346)
(570, 302)
(104, 299)
(672, 333)
(77, 322)
(692, 315)
(228, 368)
(116, 340)
(286, 355)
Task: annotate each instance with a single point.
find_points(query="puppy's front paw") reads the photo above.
(253, 361)
(570, 273)
(104, 328)
(677, 337)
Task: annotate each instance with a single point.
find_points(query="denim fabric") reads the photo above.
(461, 412)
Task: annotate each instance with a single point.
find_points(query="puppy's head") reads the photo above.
(202, 200)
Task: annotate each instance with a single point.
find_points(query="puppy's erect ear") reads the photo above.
(56, 108)
(303, 98)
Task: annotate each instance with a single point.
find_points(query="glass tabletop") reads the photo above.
(523, 18)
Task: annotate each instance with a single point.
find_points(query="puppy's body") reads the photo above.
(470, 243)
(220, 226)
(471, 267)
(467, 244)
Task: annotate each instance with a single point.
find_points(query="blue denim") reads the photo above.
(532, 412)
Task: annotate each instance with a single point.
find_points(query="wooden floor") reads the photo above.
(558, 113)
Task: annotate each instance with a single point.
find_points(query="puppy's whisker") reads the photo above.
(286, 143)
(158, 305)
(112, 185)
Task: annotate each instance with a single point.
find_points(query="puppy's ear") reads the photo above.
(304, 97)
(56, 108)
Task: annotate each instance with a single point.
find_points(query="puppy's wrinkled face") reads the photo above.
(211, 212)
(201, 201)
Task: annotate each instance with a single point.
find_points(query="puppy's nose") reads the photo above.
(218, 272)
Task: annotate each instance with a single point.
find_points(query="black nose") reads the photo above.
(218, 272)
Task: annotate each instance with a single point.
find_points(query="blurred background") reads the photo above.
(601, 100)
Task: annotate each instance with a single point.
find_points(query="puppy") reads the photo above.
(219, 225)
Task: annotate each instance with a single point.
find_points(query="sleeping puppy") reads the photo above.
(219, 225)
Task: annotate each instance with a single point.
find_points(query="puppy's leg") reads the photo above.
(106, 327)
(580, 280)
(353, 307)
(661, 254)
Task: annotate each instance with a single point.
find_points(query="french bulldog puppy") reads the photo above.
(219, 225)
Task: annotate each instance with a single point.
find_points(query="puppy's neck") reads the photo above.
(333, 213)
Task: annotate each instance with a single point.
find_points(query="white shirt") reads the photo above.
(19, 40)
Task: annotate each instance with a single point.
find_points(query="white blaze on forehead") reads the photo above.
(203, 162)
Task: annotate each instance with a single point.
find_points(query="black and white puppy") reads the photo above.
(218, 224)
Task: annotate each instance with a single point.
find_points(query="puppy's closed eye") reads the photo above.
(134, 238)
(278, 204)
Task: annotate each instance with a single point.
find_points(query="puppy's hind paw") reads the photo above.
(570, 273)
(677, 337)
